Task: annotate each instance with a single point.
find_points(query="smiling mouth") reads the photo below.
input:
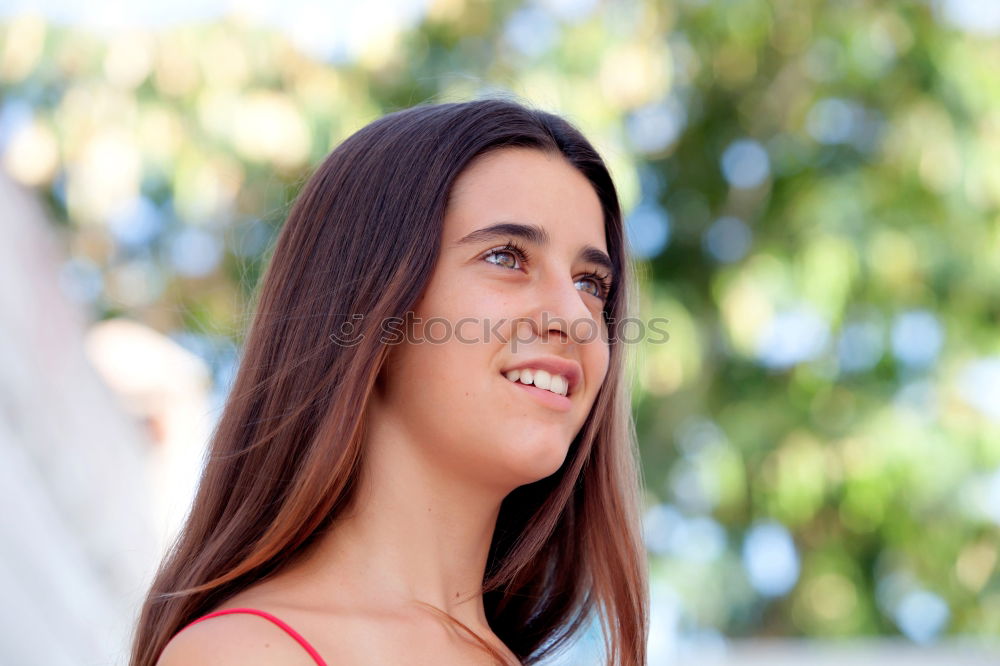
(554, 384)
(543, 397)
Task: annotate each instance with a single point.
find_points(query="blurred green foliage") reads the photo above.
(813, 188)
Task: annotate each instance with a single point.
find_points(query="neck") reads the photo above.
(416, 531)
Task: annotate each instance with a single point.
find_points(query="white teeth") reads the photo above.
(541, 379)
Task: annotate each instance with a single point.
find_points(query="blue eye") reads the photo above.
(513, 250)
(603, 283)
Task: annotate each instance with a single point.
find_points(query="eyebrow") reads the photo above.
(536, 235)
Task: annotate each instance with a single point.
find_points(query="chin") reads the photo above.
(536, 459)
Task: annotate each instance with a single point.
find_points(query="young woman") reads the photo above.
(427, 456)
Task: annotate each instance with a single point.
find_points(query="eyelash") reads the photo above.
(603, 280)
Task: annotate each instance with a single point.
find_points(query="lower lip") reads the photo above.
(547, 398)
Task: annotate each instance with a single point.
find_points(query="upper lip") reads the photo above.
(557, 366)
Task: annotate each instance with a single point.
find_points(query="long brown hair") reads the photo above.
(362, 238)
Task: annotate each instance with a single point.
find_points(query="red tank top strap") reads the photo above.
(287, 628)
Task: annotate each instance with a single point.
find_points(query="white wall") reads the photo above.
(75, 535)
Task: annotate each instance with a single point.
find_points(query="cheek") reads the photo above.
(446, 368)
(598, 358)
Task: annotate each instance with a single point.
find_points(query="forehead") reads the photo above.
(528, 186)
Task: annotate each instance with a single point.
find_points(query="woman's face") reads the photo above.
(447, 391)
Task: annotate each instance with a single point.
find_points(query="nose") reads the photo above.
(559, 311)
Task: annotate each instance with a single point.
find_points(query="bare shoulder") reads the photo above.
(234, 639)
